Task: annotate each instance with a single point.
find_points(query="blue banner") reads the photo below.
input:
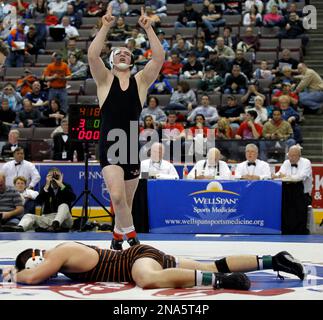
(185, 206)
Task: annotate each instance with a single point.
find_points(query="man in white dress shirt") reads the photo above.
(297, 168)
(156, 166)
(211, 168)
(252, 168)
(20, 167)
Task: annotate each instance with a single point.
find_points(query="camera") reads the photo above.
(55, 176)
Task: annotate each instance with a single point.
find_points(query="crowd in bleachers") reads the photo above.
(228, 66)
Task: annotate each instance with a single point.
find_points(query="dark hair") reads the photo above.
(227, 27)
(54, 169)
(185, 86)
(19, 149)
(152, 125)
(199, 115)
(253, 113)
(23, 257)
(278, 109)
(153, 97)
(57, 102)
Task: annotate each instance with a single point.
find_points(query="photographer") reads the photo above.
(55, 198)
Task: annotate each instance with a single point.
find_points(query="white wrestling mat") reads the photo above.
(265, 284)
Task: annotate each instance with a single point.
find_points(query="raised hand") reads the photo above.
(144, 21)
(108, 19)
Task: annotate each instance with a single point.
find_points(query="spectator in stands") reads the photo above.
(219, 65)
(172, 67)
(286, 90)
(17, 45)
(161, 86)
(156, 166)
(64, 148)
(213, 18)
(163, 41)
(298, 168)
(7, 119)
(24, 83)
(159, 7)
(252, 168)
(71, 47)
(79, 6)
(171, 129)
(137, 52)
(292, 8)
(199, 128)
(56, 198)
(245, 65)
(119, 7)
(292, 116)
(28, 117)
(211, 168)
(278, 129)
(233, 7)
(292, 28)
(70, 31)
(249, 129)
(74, 16)
(250, 3)
(310, 89)
(249, 98)
(9, 92)
(223, 131)
(21, 8)
(34, 44)
(273, 18)
(183, 98)
(52, 116)
(153, 110)
(192, 69)
(140, 39)
(4, 52)
(78, 68)
(232, 111)
(249, 41)
(147, 131)
(11, 206)
(258, 106)
(223, 50)
(21, 167)
(182, 48)
(57, 8)
(120, 31)
(57, 73)
(38, 97)
(38, 12)
(210, 113)
(287, 76)
(252, 17)
(27, 195)
(211, 82)
(201, 52)
(188, 17)
(285, 59)
(105, 54)
(263, 71)
(94, 8)
(235, 82)
(12, 144)
(281, 5)
(229, 39)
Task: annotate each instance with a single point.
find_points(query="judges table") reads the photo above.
(233, 206)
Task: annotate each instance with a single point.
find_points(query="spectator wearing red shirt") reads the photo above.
(172, 68)
(21, 6)
(249, 129)
(286, 91)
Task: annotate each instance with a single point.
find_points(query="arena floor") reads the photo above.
(265, 284)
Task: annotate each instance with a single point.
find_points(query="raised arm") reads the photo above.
(97, 67)
(150, 73)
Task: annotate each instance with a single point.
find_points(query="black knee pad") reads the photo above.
(222, 265)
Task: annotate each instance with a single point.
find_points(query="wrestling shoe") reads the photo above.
(234, 280)
(116, 244)
(284, 261)
(133, 241)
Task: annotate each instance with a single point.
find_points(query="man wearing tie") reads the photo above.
(212, 168)
(297, 168)
(252, 168)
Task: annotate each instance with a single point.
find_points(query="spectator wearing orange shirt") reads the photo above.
(24, 84)
(57, 73)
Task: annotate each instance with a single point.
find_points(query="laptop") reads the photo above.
(57, 33)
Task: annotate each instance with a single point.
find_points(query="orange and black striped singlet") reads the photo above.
(115, 266)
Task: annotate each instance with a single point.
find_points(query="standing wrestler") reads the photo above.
(121, 97)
